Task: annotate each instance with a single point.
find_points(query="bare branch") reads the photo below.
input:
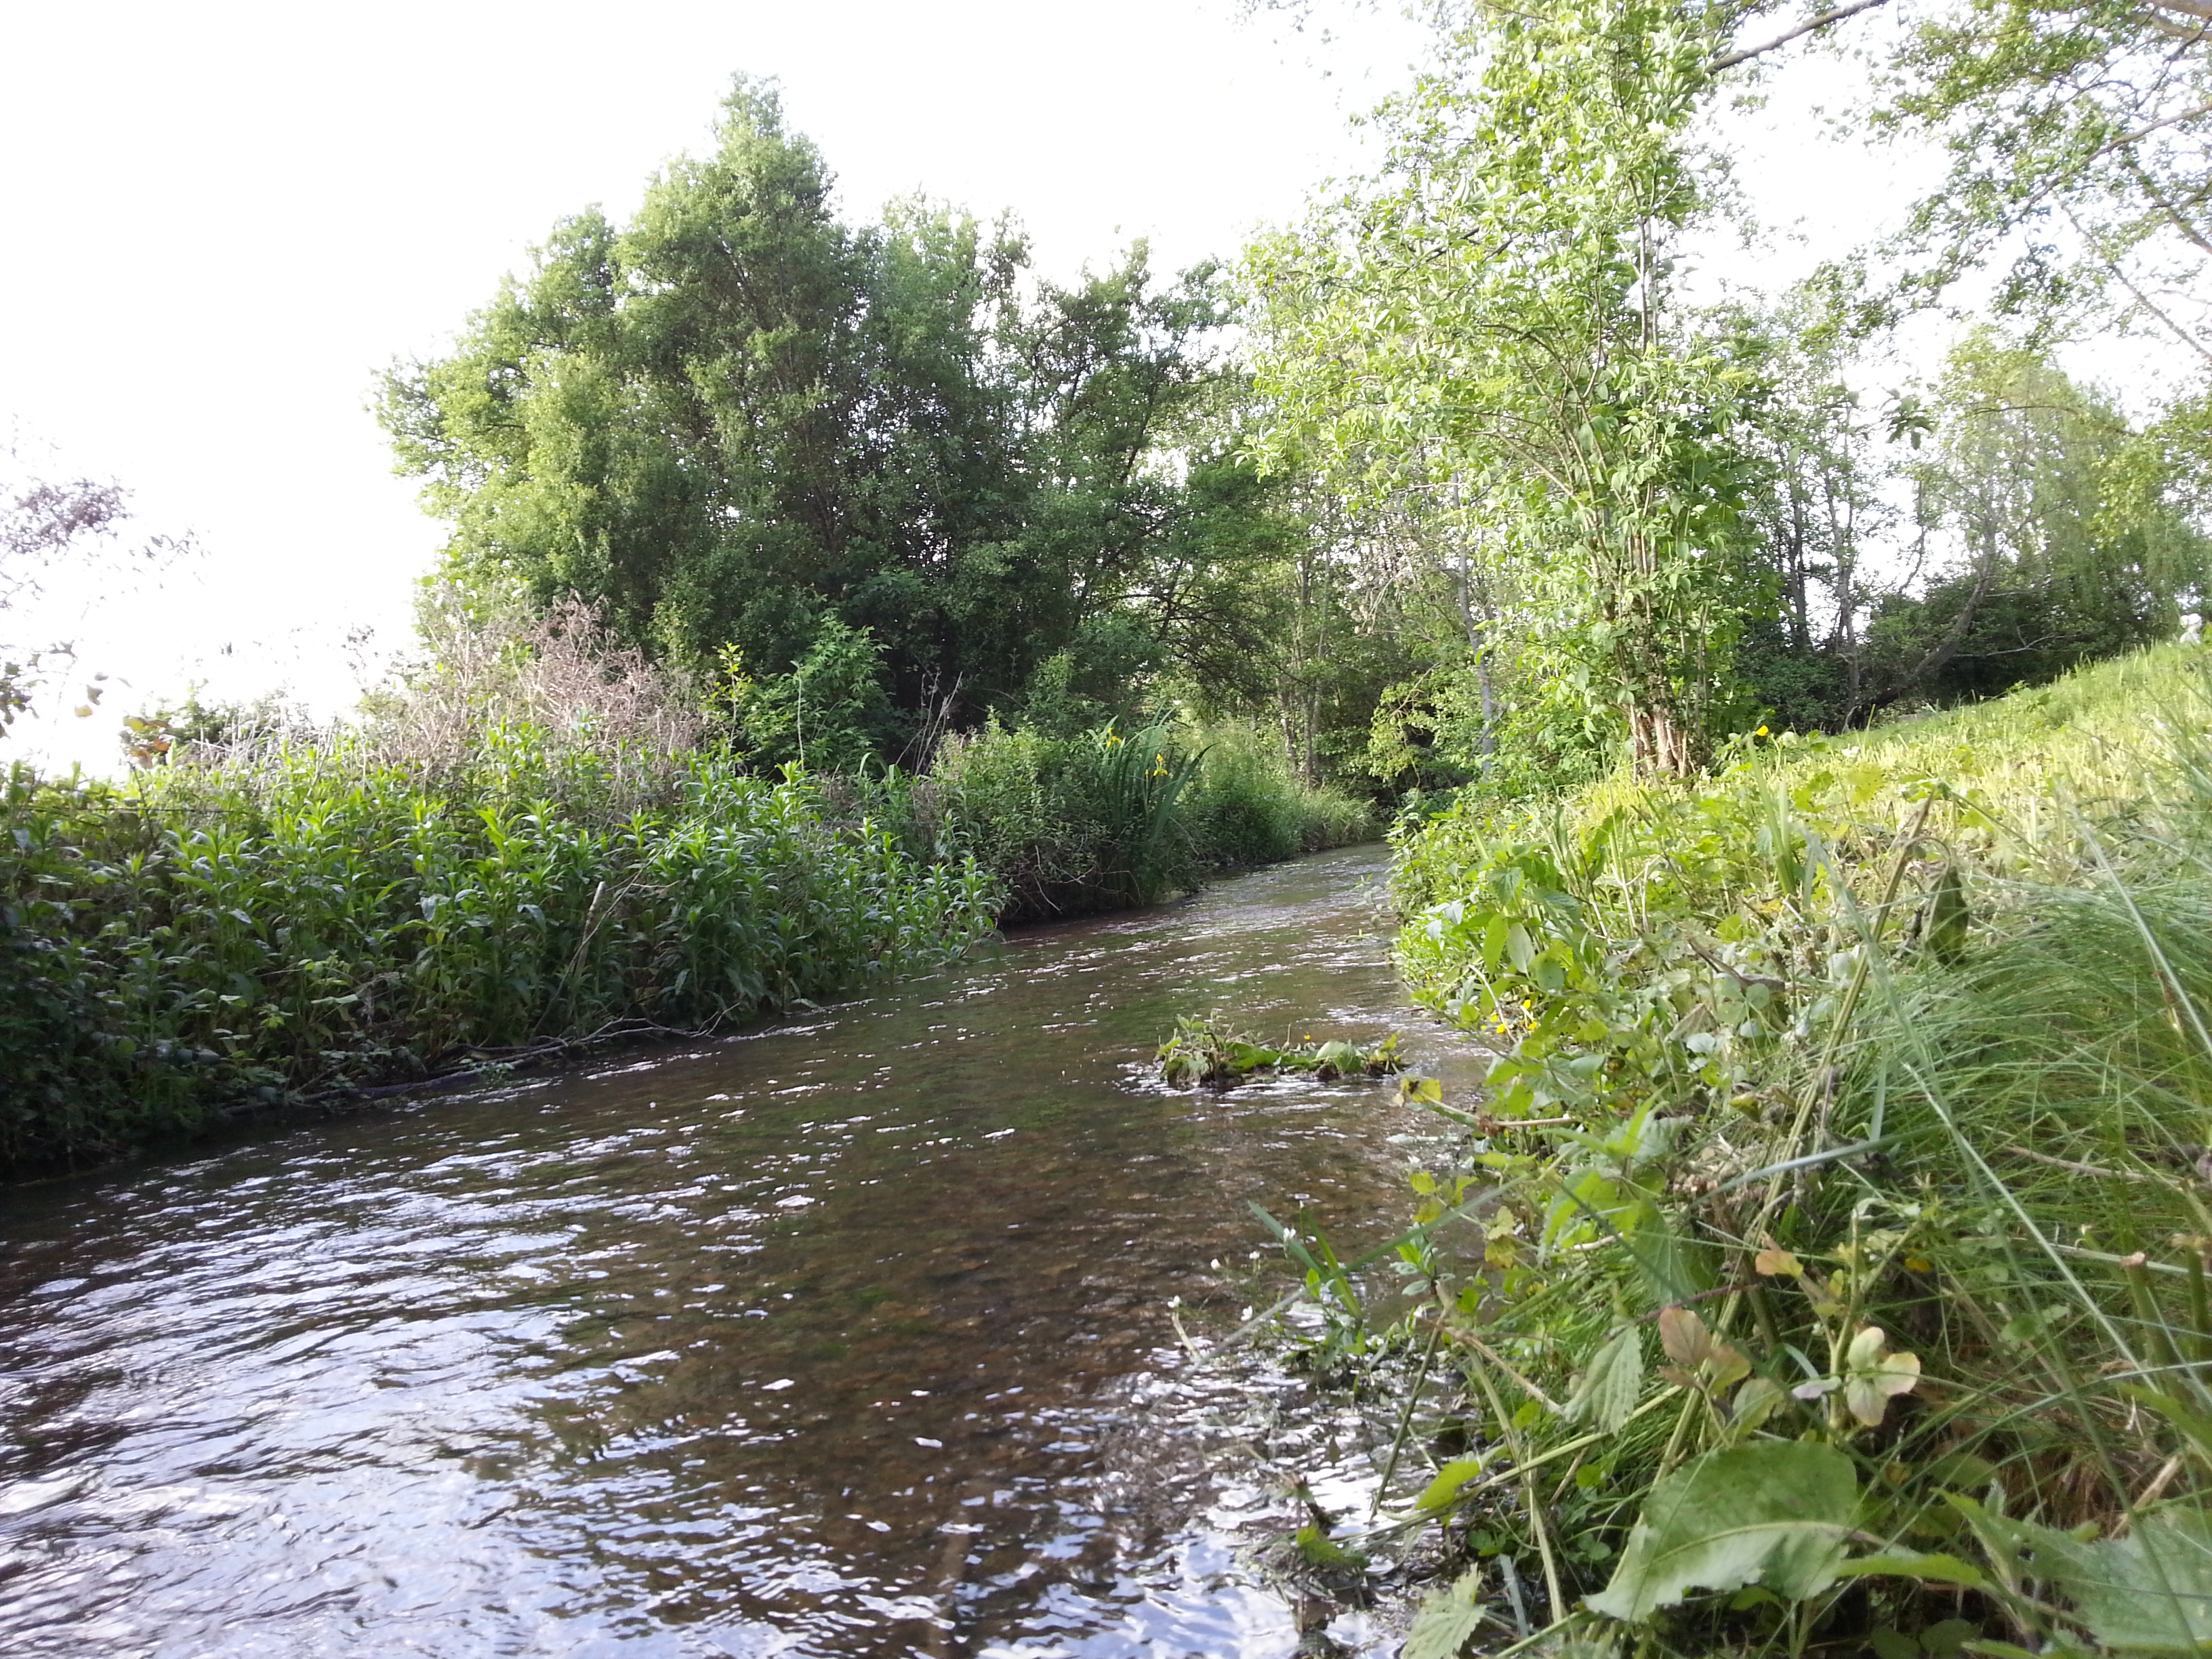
(1835, 15)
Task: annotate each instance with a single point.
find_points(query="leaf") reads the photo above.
(1756, 1402)
(1775, 1512)
(1450, 1479)
(1493, 943)
(1934, 1569)
(1447, 1618)
(1338, 1058)
(1873, 1376)
(1318, 1547)
(1605, 1392)
(1773, 1263)
(2150, 1592)
(1684, 1336)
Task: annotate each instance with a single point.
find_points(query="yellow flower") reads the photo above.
(1760, 733)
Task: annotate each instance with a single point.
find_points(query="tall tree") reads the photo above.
(1498, 299)
(738, 423)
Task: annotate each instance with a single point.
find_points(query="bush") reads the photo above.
(1102, 820)
(203, 939)
(1245, 808)
(1070, 825)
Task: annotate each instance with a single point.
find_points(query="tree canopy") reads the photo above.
(739, 424)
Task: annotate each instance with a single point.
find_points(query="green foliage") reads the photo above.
(738, 424)
(1872, 1074)
(2077, 139)
(202, 939)
(1492, 313)
(1773, 1513)
(1448, 1617)
(830, 712)
(1103, 819)
(1207, 1051)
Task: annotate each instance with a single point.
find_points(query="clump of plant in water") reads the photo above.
(1824, 1269)
(1207, 1051)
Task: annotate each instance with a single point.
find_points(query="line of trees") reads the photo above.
(1461, 480)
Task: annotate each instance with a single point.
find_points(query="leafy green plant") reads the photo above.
(1206, 1050)
(201, 940)
(1865, 1082)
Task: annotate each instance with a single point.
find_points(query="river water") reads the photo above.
(851, 1335)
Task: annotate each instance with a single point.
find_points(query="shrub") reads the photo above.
(1246, 808)
(203, 938)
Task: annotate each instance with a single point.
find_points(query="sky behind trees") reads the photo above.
(227, 219)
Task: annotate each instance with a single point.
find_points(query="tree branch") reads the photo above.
(1834, 15)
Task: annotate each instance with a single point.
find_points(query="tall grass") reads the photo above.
(203, 939)
(1824, 1265)
(1108, 818)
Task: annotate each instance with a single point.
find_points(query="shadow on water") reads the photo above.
(847, 1336)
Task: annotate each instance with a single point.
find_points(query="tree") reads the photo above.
(1497, 300)
(50, 525)
(739, 423)
(2079, 133)
(2060, 557)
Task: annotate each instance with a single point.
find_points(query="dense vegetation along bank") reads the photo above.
(1825, 1267)
(535, 843)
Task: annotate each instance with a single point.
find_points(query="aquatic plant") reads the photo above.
(1206, 1050)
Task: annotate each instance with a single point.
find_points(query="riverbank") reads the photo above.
(841, 1335)
(310, 921)
(1824, 1265)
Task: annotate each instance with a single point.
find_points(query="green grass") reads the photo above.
(1108, 818)
(1860, 1056)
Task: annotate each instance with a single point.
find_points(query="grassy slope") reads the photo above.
(1904, 1034)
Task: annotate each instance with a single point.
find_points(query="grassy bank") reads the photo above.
(536, 848)
(1823, 1268)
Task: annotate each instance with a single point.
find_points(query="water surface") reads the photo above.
(849, 1336)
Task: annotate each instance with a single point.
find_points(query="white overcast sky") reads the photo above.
(221, 220)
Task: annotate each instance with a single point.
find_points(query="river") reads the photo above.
(847, 1335)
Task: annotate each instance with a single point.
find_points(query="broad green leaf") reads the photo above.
(1450, 1479)
(1774, 1512)
(1493, 943)
(1447, 1618)
(2150, 1592)
(1606, 1391)
(1338, 1056)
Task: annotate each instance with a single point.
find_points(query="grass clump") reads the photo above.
(1825, 1267)
(1109, 819)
